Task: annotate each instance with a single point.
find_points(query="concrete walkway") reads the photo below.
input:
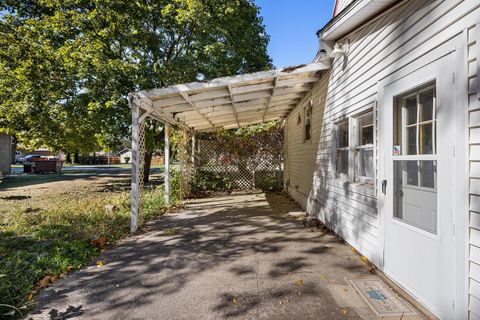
(234, 257)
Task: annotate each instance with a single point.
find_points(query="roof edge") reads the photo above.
(344, 22)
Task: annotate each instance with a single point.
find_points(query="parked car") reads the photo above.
(31, 157)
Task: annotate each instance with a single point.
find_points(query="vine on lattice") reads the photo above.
(247, 158)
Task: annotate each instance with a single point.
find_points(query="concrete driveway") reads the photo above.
(234, 257)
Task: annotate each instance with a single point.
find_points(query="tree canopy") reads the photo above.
(67, 65)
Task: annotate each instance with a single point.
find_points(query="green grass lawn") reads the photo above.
(49, 225)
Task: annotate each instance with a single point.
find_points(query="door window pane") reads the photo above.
(428, 174)
(413, 205)
(411, 173)
(411, 110)
(426, 105)
(426, 138)
(412, 140)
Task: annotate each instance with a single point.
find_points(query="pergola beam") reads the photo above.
(275, 83)
(233, 104)
(194, 106)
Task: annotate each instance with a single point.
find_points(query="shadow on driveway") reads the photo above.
(238, 256)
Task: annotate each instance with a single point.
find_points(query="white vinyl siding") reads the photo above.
(401, 39)
(474, 140)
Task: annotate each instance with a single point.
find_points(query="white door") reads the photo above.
(417, 128)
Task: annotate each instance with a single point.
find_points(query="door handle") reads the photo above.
(384, 187)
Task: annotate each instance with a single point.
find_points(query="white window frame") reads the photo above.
(341, 175)
(358, 146)
(353, 147)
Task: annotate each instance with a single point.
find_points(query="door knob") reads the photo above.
(384, 187)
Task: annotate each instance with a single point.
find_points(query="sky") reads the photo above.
(292, 26)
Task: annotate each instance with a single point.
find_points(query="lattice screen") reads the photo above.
(140, 168)
(247, 164)
(186, 163)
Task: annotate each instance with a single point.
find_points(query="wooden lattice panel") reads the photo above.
(246, 169)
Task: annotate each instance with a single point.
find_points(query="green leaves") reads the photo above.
(66, 66)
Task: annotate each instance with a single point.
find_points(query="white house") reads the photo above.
(386, 148)
(124, 155)
(382, 138)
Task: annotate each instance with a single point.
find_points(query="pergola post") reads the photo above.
(167, 164)
(137, 161)
(193, 151)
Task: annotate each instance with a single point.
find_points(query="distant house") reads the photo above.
(7, 154)
(125, 155)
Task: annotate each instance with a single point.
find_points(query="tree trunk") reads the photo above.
(147, 165)
(68, 159)
(76, 158)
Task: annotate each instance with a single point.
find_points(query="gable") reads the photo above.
(340, 5)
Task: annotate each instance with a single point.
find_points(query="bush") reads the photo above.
(207, 180)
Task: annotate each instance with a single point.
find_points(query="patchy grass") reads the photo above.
(51, 225)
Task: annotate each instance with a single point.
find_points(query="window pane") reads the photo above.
(428, 174)
(412, 140)
(413, 205)
(364, 163)
(411, 110)
(342, 161)
(426, 139)
(426, 102)
(365, 125)
(343, 135)
(307, 131)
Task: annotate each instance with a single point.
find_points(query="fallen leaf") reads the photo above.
(30, 297)
(69, 268)
(364, 258)
(354, 250)
(299, 282)
(99, 242)
(344, 312)
(234, 300)
(323, 277)
(100, 263)
(44, 282)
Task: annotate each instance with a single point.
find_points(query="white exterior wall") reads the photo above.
(300, 155)
(394, 41)
(474, 140)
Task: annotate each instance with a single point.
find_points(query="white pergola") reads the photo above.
(222, 103)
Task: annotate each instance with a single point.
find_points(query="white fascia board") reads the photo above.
(352, 16)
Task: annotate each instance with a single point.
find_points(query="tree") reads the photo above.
(67, 65)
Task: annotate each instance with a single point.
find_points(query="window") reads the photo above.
(414, 159)
(308, 124)
(415, 125)
(355, 149)
(364, 148)
(342, 149)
